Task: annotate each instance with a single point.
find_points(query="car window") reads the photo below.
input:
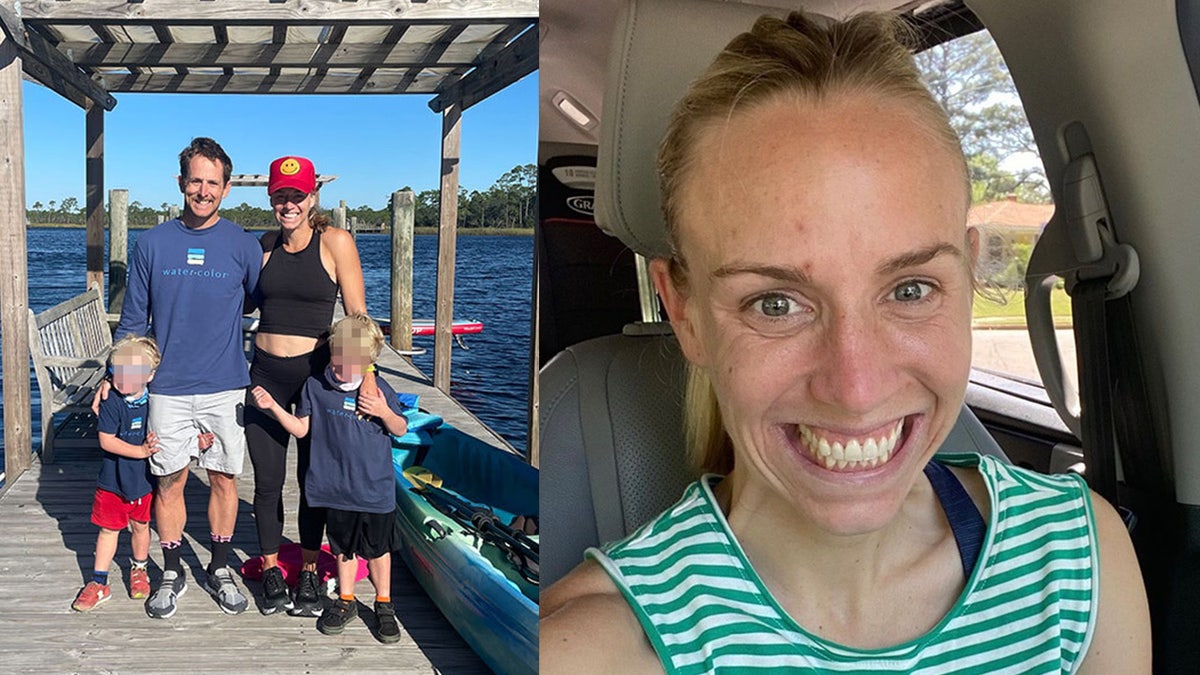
(1010, 200)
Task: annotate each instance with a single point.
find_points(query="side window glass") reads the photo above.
(1010, 200)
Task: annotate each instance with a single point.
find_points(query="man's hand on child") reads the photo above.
(263, 399)
(205, 440)
(101, 394)
(150, 445)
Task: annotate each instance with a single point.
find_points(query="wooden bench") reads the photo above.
(69, 344)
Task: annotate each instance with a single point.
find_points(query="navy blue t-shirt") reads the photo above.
(187, 288)
(125, 476)
(351, 465)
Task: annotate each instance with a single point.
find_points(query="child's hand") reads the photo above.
(263, 399)
(372, 403)
(150, 445)
(205, 440)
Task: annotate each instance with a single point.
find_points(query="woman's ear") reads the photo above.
(675, 301)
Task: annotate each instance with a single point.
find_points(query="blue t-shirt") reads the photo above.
(186, 288)
(125, 476)
(351, 465)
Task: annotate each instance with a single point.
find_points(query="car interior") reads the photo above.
(1109, 88)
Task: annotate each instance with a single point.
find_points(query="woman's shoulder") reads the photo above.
(587, 626)
(336, 238)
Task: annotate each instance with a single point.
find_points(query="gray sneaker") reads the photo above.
(165, 601)
(221, 586)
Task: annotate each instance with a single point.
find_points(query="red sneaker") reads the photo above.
(139, 583)
(90, 596)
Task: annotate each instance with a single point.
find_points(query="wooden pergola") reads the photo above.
(459, 52)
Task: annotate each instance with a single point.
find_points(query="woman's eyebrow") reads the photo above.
(789, 274)
(917, 257)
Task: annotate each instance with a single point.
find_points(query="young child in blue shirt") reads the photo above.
(124, 489)
(350, 473)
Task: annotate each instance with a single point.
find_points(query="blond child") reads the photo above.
(350, 473)
(125, 486)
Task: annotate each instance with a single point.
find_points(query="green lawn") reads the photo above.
(1011, 312)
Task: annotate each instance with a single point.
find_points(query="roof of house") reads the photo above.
(1009, 213)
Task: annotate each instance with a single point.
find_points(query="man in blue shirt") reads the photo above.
(187, 283)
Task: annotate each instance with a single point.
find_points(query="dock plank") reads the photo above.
(46, 554)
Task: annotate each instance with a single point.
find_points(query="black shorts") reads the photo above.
(365, 535)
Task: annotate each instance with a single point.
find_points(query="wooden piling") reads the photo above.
(118, 248)
(172, 212)
(403, 214)
(339, 215)
(447, 238)
(14, 282)
(94, 199)
(353, 225)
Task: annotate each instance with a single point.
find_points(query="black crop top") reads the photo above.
(295, 294)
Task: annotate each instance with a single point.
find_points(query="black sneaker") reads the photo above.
(333, 621)
(307, 599)
(389, 629)
(275, 592)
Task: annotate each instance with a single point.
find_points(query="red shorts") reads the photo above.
(113, 512)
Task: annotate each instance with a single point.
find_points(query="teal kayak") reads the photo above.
(488, 593)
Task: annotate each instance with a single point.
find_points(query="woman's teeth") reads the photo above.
(855, 454)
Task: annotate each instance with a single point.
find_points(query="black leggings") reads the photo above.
(267, 442)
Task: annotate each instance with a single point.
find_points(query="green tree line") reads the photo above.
(508, 203)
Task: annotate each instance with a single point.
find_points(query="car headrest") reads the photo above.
(654, 57)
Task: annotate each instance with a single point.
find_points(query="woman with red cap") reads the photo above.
(305, 266)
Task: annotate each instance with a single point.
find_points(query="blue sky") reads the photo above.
(374, 144)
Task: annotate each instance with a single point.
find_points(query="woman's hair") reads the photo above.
(357, 329)
(802, 57)
(132, 344)
(318, 220)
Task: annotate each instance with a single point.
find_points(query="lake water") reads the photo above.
(493, 282)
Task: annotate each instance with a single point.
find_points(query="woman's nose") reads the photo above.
(855, 365)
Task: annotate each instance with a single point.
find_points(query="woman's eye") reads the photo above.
(776, 305)
(912, 291)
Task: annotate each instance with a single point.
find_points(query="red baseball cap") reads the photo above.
(292, 172)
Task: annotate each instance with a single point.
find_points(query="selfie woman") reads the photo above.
(820, 285)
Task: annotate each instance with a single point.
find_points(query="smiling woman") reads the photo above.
(820, 286)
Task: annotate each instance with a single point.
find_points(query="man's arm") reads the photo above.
(135, 310)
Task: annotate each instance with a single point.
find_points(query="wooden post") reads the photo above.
(353, 225)
(403, 213)
(172, 212)
(14, 289)
(94, 198)
(339, 216)
(447, 232)
(118, 248)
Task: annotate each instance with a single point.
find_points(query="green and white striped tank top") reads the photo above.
(1029, 606)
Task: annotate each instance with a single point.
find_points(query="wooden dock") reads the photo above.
(46, 554)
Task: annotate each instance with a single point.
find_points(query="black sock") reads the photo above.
(221, 546)
(100, 577)
(172, 550)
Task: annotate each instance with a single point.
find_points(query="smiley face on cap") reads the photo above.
(289, 167)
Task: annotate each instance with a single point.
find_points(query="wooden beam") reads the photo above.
(447, 238)
(434, 52)
(510, 64)
(118, 248)
(383, 82)
(94, 196)
(403, 215)
(303, 12)
(53, 69)
(14, 289)
(226, 55)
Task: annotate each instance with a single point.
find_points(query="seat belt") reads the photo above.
(1088, 300)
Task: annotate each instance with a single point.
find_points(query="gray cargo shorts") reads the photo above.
(179, 421)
